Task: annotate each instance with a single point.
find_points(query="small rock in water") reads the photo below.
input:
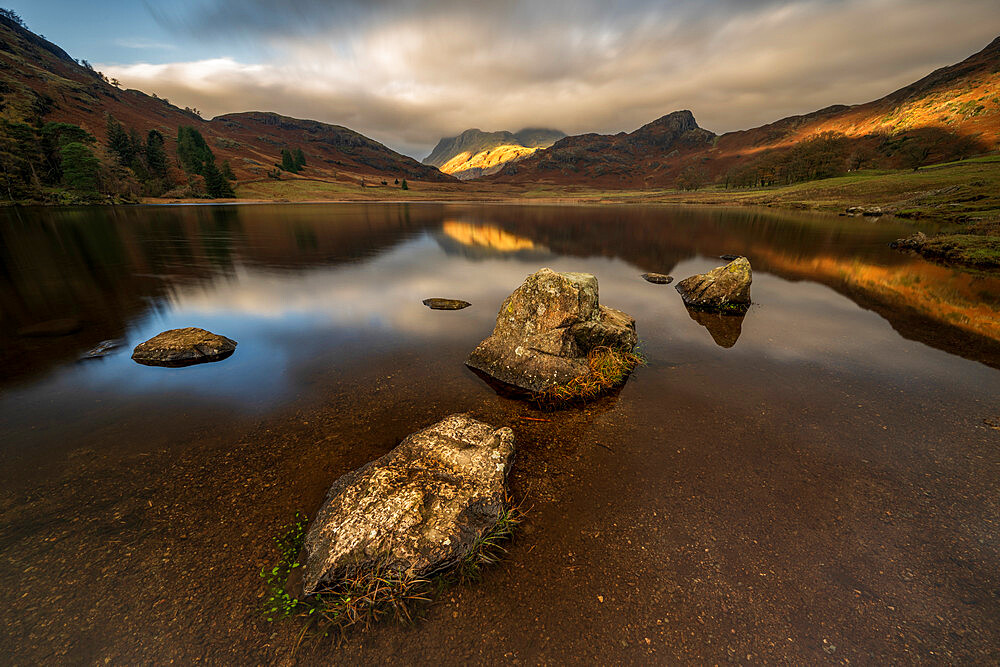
(421, 507)
(729, 258)
(103, 349)
(446, 304)
(60, 327)
(915, 242)
(725, 289)
(183, 347)
(868, 211)
(658, 278)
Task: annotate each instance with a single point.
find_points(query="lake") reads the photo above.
(817, 480)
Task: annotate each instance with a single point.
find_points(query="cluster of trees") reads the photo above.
(53, 155)
(690, 178)
(145, 157)
(292, 161)
(63, 162)
(197, 159)
(831, 154)
(823, 156)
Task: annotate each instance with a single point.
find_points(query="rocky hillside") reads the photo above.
(475, 153)
(41, 84)
(952, 113)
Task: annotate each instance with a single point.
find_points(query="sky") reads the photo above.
(408, 72)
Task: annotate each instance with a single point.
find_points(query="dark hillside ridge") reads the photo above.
(40, 83)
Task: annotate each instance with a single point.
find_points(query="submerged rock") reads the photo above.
(183, 347)
(725, 289)
(419, 508)
(103, 349)
(446, 304)
(546, 329)
(658, 278)
(52, 328)
(725, 329)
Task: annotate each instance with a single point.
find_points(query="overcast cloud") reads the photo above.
(406, 72)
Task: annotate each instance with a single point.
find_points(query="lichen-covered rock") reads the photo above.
(419, 508)
(725, 289)
(545, 330)
(183, 347)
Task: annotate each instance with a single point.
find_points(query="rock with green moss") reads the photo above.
(725, 289)
(420, 508)
(546, 330)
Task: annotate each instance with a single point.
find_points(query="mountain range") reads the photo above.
(952, 113)
(475, 153)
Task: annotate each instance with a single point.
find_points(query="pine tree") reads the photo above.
(300, 159)
(288, 162)
(216, 184)
(156, 156)
(192, 150)
(120, 143)
(227, 171)
(403, 185)
(79, 167)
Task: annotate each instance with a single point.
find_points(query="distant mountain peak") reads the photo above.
(474, 142)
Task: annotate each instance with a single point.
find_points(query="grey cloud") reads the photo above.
(407, 73)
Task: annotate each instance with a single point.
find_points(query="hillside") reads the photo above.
(41, 84)
(475, 153)
(952, 113)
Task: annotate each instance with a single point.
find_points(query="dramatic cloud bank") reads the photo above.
(407, 72)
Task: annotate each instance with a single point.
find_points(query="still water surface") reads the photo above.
(858, 372)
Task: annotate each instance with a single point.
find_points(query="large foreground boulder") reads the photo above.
(547, 328)
(725, 289)
(419, 508)
(183, 347)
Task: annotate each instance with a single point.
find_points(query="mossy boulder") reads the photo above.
(725, 289)
(420, 508)
(546, 330)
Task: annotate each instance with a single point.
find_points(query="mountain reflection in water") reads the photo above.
(112, 268)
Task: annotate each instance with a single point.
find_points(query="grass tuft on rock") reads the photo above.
(371, 595)
(609, 369)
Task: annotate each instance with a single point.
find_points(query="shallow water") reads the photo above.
(816, 474)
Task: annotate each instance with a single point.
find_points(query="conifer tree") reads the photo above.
(288, 162)
(156, 156)
(120, 144)
(79, 167)
(300, 159)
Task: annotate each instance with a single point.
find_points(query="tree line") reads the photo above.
(62, 162)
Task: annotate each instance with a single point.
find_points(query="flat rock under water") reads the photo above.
(446, 304)
(183, 347)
